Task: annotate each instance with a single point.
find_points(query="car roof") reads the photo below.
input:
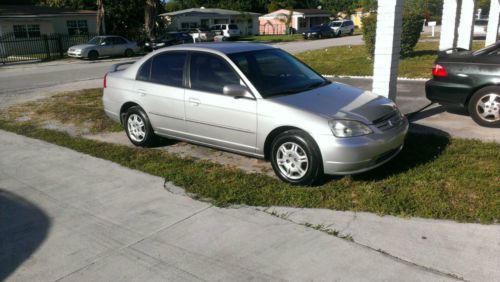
(224, 47)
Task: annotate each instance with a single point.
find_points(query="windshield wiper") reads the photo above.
(301, 89)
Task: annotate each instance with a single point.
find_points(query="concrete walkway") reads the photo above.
(71, 217)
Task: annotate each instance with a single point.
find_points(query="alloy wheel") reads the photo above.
(488, 107)
(136, 128)
(292, 160)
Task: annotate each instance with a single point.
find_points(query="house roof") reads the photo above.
(206, 11)
(9, 11)
(299, 12)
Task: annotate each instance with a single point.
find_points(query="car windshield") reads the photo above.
(336, 24)
(96, 40)
(274, 72)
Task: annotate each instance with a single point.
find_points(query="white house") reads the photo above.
(247, 22)
(302, 20)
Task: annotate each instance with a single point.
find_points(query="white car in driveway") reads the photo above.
(104, 46)
(342, 27)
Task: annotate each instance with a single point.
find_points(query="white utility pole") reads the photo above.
(492, 31)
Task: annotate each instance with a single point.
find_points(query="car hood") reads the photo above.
(340, 101)
(82, 46)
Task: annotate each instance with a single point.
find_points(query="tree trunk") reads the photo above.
(100, 17)
(149, 17)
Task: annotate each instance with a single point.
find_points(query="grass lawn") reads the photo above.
(433, 177)
(353, 60)
(81, 108)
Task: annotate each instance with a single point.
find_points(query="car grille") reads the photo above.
(389, 121)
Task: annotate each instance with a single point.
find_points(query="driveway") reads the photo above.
(103, 222)
(308, 45)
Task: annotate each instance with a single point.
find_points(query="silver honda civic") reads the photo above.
(256, 100)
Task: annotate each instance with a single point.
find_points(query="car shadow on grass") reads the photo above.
(23, 228)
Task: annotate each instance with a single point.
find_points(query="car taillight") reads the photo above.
(105, 80)
(439, 70)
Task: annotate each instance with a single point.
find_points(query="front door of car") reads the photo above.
(106, 47)
(160, 89)
(211, 116)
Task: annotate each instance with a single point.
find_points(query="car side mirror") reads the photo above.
(237, 91)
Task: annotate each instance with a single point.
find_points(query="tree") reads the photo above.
(149, 17)
(100, 17)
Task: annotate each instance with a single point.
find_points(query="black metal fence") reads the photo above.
(41, 48)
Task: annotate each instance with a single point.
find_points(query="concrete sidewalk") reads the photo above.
(71, 217)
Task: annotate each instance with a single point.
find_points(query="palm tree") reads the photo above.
(100, 17)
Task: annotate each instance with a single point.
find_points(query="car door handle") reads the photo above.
(142, 92)
(194, 101)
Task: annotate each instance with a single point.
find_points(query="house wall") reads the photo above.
(247, 26)
(48, 25)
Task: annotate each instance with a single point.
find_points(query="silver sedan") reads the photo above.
(104, 46)
(255, 100)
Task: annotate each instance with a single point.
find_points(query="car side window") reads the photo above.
(144, 71)
(119, 40)
(210, 73)
(108, 41)
(168, 68)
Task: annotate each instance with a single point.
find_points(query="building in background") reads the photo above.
(302, 20)
(247, 22)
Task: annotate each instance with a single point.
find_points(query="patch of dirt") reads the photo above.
(186, 150)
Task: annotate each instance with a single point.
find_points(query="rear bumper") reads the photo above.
(447, 93)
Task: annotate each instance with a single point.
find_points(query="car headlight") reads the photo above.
(160, 44)
(314, 33)
(348, 128)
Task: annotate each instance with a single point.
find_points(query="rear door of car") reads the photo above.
(160, 87)
(212, 117)
(107, 47)
(119, 46)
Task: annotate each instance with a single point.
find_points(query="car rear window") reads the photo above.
(168, 68)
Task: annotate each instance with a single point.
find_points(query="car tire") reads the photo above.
(484, 106)
(351, 32)
(296, 158)
(93, 55)
(320, 36)
(339, 33)
(138, 127)
(129, 53)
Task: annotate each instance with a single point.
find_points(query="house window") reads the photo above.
(302, 23)
(77, 27)
(27, 31)
(189, 25)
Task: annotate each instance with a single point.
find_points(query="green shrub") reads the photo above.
(410, 34)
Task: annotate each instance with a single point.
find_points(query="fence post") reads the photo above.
(60, 45)
(46, 45)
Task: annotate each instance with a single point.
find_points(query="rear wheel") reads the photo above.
(339, 33)
(351, 32)
(129, 53)
(138, 127)
(484, 106)
(93, 55)
(295, 158)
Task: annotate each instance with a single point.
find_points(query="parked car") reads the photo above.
(342, 27)
(319, 31)
(256, 100)
(226, 30)
(103, 46)
(202, 35)
(169, 39)
(470, 80)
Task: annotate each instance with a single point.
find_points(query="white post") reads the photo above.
(492, 31)
(465, 26)
(387, 47)
(448, 25)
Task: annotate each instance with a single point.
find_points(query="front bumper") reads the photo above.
(447, 93)
(75, 54)
(358, 154)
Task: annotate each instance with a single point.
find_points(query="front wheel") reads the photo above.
(93, 55)
(339, 33)
(484, 106)
(296, 158)
(138, 127)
